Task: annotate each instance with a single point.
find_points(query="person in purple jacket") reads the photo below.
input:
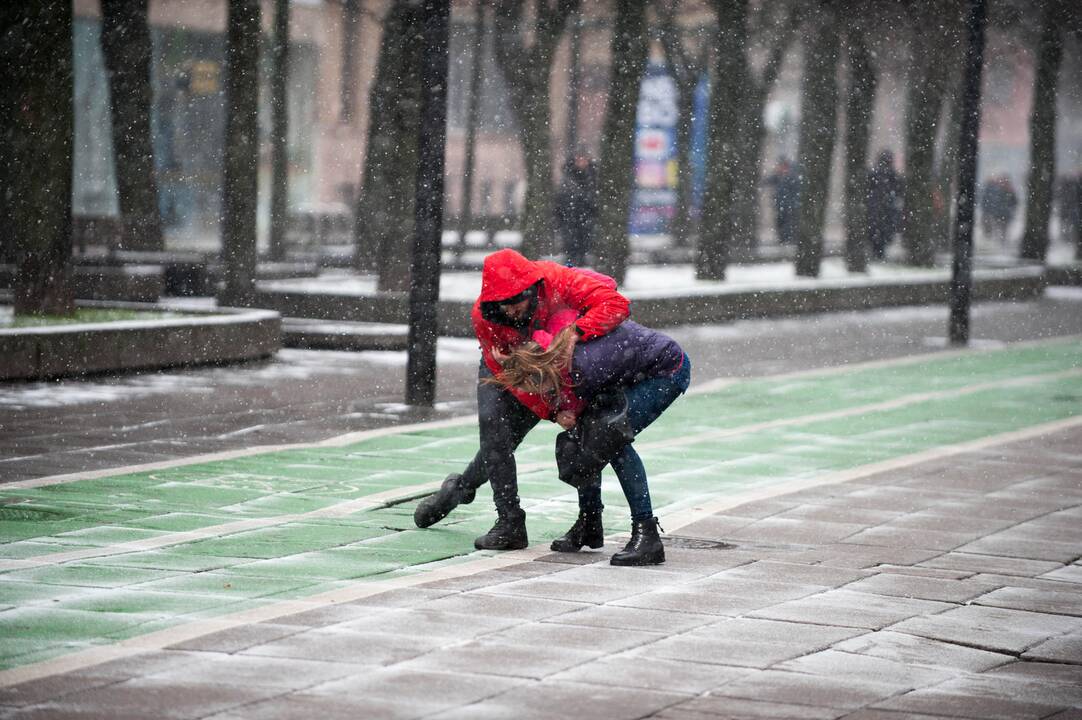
(606, 391)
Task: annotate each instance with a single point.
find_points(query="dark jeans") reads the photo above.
(646, 401)
(503, 422)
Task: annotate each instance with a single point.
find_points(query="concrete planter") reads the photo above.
(221, 335)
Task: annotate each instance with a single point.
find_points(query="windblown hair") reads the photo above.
(536, 370)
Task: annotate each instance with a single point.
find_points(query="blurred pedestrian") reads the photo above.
(576, 209)
(886, 191)
(785, 182)
(998, 204)
(1069, 203)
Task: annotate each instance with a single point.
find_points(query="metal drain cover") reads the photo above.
(692, 543)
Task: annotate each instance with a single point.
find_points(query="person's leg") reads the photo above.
(502, 422)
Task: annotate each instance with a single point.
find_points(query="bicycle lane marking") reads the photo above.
(396, 495)
(164, 638)
(361, 435)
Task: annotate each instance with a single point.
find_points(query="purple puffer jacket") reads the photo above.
(624, 356)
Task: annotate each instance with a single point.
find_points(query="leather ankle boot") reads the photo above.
(587, 530)
(509, 532)
(645, 546)
(436, 507)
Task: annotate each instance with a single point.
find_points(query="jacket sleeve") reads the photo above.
(602, 306)
(489, 339)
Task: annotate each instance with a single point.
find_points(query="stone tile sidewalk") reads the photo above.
(956, 591)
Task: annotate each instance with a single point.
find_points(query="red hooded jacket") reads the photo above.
(506, 273)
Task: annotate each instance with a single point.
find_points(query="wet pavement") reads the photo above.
(858, 525)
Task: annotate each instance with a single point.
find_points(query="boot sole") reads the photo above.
(657, 559)
(509, 546)
(575, 548)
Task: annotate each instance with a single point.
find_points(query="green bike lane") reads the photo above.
(93, 562)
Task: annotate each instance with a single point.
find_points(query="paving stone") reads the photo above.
(840, 514)
(248, 671)
(932, 519)
(594, 639)
(439, 689)
(775, 571)
(747, 642)
(551, 699)
(715, 526)
(996, 564)
(1064, 649)
(547, 587)
(291, 707)
(428, 623)
(237, 638)
(815, 690)
(1021, 548)
(652, 673)
(142, 664)
(1066, 602)
(995, 629)
(894, 536)
(488, 657)
(924, 588)
(625, 577)
(847, 555)
(1068, 573)
(924, 571)
(359, 648)
(328, 615)
(629, 618)
(850, 609)
(486, 604)
(712, 707)
(834, 663)
(174, 698)
(1033, 673)
(49, 688)
(872, 714)
(915, 650)
(793, 530)
(978, 697)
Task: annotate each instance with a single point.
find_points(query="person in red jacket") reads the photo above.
(518, 297)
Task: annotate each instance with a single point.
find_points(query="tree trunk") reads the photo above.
(526, 70)
(928, 80)
(279, 200)
(385, 210)
(858, 117)
(126, 48)
(37, 125)
(744, 238)
(240, 176)
(630, 48)
(818, 127)
(728, 84)
(1042, 137)
(946, 173)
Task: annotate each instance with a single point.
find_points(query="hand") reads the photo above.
(565, 419)
(499, 357)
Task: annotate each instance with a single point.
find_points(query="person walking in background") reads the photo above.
(785, 182)
(998, 204)
(605, 392)
(576, 209)
(884, 204)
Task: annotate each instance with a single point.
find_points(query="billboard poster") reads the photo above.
(657, 157)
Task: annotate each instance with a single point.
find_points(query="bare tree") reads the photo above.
(240, 177)
(125, 45)
(384, 223)
(935, 51)
(630, 47)
(728, 83)
(858, 118)
(37, 127)
(687, 61)
(279, 132)
(525, 46)
(1042, 132)
(818, 129)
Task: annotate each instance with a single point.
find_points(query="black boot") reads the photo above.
(509, 532)
(435, 507)
(587, 530)
(645, 546)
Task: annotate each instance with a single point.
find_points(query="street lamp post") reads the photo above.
(962, 263)
(428, 217)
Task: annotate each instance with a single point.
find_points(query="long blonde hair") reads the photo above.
(537, 370)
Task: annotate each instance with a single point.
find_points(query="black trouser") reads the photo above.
(503, 423)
